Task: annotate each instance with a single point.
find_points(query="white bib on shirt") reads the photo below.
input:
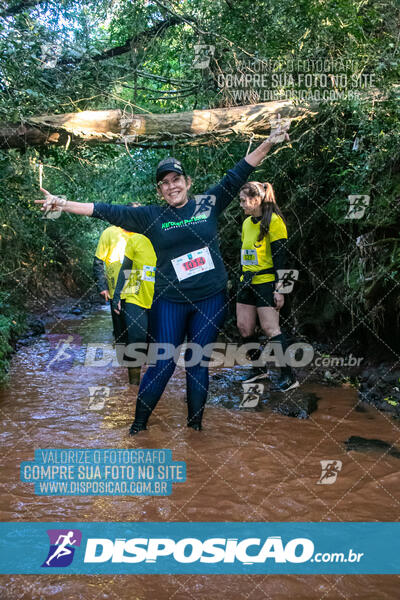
(193, 263)
(249, 257)
(148, 273)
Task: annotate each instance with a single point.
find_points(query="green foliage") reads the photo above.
(12, 324)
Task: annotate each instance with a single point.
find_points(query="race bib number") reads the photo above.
(193, 263)
(149, 273)
(249, 257)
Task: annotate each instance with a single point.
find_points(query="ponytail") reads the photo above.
(268, 204)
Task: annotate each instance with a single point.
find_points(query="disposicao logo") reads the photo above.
(190, 550)
(61, 551)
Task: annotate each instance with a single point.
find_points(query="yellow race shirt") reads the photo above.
(139, 289)
(111, 250)
(256, 256)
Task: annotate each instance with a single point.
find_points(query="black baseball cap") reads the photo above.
(167, 165)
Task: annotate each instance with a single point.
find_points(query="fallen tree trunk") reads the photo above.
(115, 126)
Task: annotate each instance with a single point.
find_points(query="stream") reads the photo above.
(246, 465)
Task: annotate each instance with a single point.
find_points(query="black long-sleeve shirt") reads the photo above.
(99, 275)
(279, 253)
(126, 267)
(181, 231)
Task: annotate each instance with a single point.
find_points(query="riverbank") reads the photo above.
(23, 325)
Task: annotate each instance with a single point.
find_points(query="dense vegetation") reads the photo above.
(140, 56)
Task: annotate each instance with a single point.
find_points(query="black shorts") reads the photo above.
(259, 294)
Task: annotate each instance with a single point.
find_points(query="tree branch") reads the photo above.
(127, 47)
(185, 18)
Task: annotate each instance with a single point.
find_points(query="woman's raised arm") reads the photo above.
(52, 203)
(229, 186)
(138, 219)
(279, 133)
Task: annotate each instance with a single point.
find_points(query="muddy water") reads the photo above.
(244, 466)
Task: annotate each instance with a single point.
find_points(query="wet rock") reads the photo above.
(217, 377)
(226, 389)
(28, 341)
(294, 404)
(332, 378)
(76, 310)
(381, 388)
(390, 378)
(35, 327)
(230, 390)
(361, 444)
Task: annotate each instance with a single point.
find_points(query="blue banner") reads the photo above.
(199, 548)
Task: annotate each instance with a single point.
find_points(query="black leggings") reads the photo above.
(136, 322)
(171, 322)
(130, 326)
(119, 327)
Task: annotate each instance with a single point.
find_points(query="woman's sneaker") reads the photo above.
(285, 383)
(258, 373)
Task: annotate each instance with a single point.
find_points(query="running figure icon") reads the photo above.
(62, 549)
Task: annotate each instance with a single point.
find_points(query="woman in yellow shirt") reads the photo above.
(264, 238)
(135, 287)
(106, 266)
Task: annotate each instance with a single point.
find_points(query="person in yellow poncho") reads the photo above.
(264, 238)
(134, 291)
(106, 266)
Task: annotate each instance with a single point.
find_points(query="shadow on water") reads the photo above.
(361, 444)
